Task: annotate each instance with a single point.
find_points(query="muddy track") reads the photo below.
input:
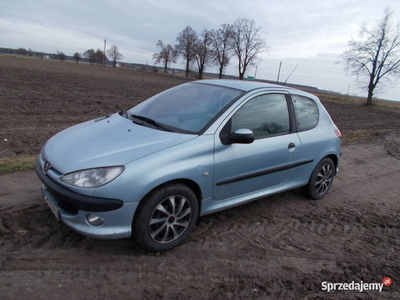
(280, 247)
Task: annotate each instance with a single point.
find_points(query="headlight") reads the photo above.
(93, 177)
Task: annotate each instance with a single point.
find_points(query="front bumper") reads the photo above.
(73, 208)
(73, 202)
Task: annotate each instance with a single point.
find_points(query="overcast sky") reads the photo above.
(308, 33)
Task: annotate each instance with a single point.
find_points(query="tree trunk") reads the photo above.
(187, 68)
(165, 66)
(200, 73)
(242, 71)
(371, 87)
(370, 94)
(220, 73)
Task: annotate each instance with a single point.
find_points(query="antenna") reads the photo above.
(290, 74)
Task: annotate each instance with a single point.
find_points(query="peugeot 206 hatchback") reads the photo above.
(200, 147)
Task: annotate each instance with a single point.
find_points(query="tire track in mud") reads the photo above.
(305, 234)
(221, 279)
(336, 246)
(280, 247)
(262, 232)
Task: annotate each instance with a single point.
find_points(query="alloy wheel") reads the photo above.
(324, 179)
(170, 219)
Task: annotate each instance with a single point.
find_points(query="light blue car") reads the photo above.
(198, 148)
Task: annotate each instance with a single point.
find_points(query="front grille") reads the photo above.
(63, 202)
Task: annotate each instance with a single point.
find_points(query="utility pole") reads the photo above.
(255, 75)
(105, 57)
(279, 72)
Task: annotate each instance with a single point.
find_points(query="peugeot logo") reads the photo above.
(46, 167)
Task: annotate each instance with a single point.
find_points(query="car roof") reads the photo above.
(244, 85)
(250, 85)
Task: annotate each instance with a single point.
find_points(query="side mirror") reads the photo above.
(241, 136)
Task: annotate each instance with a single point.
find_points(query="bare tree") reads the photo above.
(202, 51)
(21, 51)
(375, 58)
(166, 55)
(77, 56)
(246, 43)
(100, 57)
(222, 46)
(187, 40)
(60, 55)
(114, 55)
(90, 55)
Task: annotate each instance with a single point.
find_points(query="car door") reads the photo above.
(268, 161)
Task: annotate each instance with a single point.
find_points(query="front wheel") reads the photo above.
(320, 180)
(165, 218)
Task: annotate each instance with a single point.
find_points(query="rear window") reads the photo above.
(307, 113)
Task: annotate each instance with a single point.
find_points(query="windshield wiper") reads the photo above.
(150, 121)
(102, 118)
(123, 113)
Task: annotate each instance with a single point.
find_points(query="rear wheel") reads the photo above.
(165, 218)
(321, 180)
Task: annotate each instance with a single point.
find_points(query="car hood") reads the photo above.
(107, 141)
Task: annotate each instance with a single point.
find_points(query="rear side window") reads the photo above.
(265, 115)
(307, 113)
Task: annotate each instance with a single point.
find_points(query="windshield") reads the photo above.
(186, 108)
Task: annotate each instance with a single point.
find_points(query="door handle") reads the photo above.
(291, 145)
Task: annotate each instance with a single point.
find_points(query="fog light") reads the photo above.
(94, 220)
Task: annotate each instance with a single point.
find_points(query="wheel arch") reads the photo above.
(310, 190)
(335, 160)
(187, 182)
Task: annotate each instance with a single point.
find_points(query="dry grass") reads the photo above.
(364, 135)
(17, 163)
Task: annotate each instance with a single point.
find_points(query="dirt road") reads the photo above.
(281, 247)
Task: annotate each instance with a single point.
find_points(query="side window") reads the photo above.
(265, 115)
(306, 111)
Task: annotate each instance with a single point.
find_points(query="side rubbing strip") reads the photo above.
(264, 172)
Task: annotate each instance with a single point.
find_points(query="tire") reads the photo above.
(165, 218)
(320, 180)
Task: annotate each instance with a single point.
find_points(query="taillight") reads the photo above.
(338, 133)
